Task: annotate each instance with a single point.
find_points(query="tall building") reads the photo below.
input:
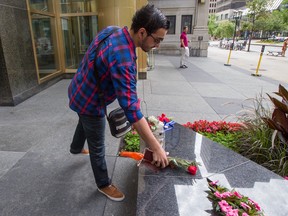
(225, 8)
(212, 6)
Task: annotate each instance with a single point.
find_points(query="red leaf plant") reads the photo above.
(214, 126)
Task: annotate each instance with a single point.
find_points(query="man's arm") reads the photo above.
(159, 155)
(182, 43)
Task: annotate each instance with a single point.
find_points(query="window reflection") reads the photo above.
(186, 20)
(172, 20)
(44, 39)
(41, 5)
(78, 33)
(78, 6)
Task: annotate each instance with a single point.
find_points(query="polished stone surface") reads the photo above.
(175, 192)
(18, 63)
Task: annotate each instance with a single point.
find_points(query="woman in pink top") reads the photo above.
(184, 48)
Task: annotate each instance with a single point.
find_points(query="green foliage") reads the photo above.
(228, 140)
(256, 143)
(225, 29)
(257, 7)
(284, 11)
(276, 21)
(212, 25)
(245, 26)
(132, 141)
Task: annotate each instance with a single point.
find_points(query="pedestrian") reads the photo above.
(184, 48)
(284, 47)
(116, 66)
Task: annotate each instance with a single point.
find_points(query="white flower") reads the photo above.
(153, 120)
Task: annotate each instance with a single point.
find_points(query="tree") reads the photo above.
(275, 21)
(256, 8)
(225, 29)
(284, 11)
(212, 25)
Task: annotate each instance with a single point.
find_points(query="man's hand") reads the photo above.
(160, 158)
(159, 155)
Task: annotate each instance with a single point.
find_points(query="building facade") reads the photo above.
(212, 6)
(193, 14)
(43, 41)
(225, 8)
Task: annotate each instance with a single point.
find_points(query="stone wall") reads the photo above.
(199, 11)
(18, 73)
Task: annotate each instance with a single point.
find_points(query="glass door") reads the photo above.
(45, 43)
(78, 32)
(79, 26)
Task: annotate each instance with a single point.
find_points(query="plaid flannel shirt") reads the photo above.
(116, 65)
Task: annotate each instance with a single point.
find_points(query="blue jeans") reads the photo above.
(92, 128)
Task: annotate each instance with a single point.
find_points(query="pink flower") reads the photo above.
(222, 195)
(245, 206)
(245, 214)
(286, 177)
(214, 183)
(218, 195)
(226, 194)
(232, 212)
(223, 203)
(224, 206)
(255, 204)
(237, 194)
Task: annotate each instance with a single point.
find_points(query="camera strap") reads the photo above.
(101, 93)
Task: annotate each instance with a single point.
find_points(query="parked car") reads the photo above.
(279, 39)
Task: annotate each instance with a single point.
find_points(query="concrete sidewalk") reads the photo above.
(38, 176)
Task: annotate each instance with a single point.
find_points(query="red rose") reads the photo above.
(192, 170)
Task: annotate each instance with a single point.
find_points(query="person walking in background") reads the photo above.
(284, 47)
(117, 69)
(184, 48)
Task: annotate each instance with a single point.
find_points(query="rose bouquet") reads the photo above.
(158, 126)
(161, 122)
(155, 124)
(231, 203)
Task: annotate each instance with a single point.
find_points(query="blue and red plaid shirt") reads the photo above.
(116, 65)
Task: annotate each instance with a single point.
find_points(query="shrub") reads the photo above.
(132, 141)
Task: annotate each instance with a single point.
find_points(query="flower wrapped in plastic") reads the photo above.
(157, 128)
(231, 203)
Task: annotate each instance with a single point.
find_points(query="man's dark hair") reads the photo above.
(150, 18)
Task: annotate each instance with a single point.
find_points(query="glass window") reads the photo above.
(172, 20)
(78, 32)
(45, 42)
(186, 21)
(41, 5)
(78, 6)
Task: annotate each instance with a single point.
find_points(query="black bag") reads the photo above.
(118, 123)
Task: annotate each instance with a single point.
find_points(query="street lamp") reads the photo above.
(237, 15)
